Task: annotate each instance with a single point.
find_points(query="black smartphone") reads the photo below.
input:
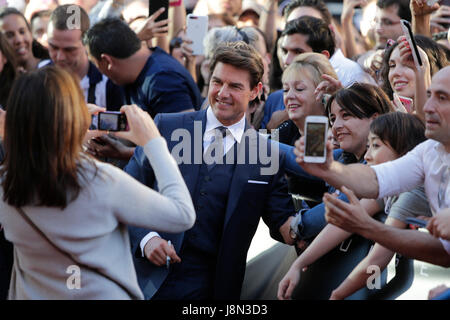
(154, 5)
(407, 30)
(112, 121)
(417, 222)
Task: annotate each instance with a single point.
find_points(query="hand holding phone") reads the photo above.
(112, 121)
(196, 30)
(316, 136)
(155, 5)
(142, 128)
(407, 30)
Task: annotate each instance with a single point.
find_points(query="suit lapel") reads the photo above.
(241, 172)
(190, 171)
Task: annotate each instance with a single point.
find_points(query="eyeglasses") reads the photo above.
(242, 34)
(385, 22)
(443, 188)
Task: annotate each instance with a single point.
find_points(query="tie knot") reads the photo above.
(223, 131)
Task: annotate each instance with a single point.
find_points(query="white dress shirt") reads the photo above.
(100, 88)
(427, 163)
(348, 71)
(237, 131)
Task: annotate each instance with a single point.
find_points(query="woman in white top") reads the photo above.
(81, 205)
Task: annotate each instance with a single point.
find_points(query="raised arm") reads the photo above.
(327, 239)
(268, 21)
(357, 279)
(170, 209)
(348, 11)
(338, 175)
(409, 243)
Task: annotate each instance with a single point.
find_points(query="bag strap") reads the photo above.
(65, 253)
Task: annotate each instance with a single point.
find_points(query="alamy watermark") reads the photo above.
(374, 281)
(74, 20)
(73, 282)
(253, 148)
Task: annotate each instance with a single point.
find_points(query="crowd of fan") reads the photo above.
(67, 195)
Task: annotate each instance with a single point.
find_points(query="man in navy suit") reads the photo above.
(232, 183)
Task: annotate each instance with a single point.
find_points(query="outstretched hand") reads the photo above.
(319, 170)
(288, 283)
(439, 225)
(348, 216)
(329, 85)
(151, 29)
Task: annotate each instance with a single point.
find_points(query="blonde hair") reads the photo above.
(316, 63)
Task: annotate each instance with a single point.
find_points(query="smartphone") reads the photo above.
(112, 121)
(406, 26)
(316, 136)
(417, 222)
(196, 30)
(155, 5)
(408, 103)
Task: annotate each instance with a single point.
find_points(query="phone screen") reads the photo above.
(154, 5)
(315, 139)
(110, 121)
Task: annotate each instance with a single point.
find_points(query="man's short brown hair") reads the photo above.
(63, 18)
(241, 56)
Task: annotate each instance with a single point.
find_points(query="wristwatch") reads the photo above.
(296, 225)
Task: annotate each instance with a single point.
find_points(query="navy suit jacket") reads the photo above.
(247, 203)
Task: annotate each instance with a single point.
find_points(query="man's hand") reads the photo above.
(285, 230)
(107, 147)
(319, 170)
(351, 217)
(421, 8)
(151, 29)
(156, 251)
(439, 225)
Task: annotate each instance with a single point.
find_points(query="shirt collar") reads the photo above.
(338, 55)
(237, 129)
(442, 153)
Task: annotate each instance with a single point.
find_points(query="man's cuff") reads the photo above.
(446, 245)
(147, 239)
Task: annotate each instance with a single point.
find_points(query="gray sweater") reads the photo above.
(93, 229)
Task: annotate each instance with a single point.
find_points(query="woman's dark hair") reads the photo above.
(402, 131)
(45, 125)
(436, 57)
(10, 10)
(39, 51)
(361, 100)
(275, 70)
(9, 72)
